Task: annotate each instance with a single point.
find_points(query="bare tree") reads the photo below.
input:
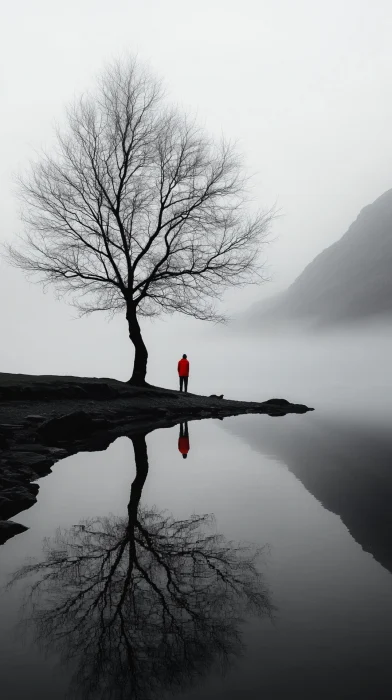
(144, 604)
(137, 209)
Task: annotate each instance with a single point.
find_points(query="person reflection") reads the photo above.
(143, 604)
(183, 440)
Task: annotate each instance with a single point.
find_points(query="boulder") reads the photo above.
(33, 419)
(58, 452)
(19, 490)
(13, 500)
(35, 461)
(34, 447)
(8, 480)
(9, 529)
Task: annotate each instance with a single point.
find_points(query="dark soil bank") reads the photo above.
(44, 419)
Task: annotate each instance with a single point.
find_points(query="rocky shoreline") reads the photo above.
(44, 419)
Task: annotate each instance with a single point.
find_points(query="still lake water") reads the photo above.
(314, 491)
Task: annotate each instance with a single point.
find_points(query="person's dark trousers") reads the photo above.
(184, 383)
(184, 432)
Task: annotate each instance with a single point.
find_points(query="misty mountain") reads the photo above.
(346, 466)
(348, 282)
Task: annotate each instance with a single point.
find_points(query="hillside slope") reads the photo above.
(349, 281)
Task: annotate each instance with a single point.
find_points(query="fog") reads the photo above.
(301, 87)
(336, 373)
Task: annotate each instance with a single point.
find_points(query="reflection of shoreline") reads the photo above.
(347, 467)
(143, 603)
(86, 431)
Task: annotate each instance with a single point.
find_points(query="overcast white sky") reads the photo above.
(303, 85)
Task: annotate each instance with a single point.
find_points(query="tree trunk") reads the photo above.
(141, 461)
(141, 355)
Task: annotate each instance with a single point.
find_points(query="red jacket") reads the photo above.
(183, 445)
(183, 368)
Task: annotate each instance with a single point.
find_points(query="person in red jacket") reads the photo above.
(183, 372)
(183, 440)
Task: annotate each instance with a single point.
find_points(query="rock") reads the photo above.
(162, 412)
(101, 390)
(33, 455)
(9, 429)
(9, 480)
(13, 500)
(58, 452)
(36, 448)
(31, 459)
(101, 423)
(70, 425)
(58, 389)
(7, 483)
(215, 396)
(34, 419)
(9, 529)
(277, 407)
(19, 490)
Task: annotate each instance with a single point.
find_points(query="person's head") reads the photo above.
(184, 357)
(184, 456)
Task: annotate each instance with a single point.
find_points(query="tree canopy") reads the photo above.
(138, 209)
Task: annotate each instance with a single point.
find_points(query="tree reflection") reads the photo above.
(143, 604)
